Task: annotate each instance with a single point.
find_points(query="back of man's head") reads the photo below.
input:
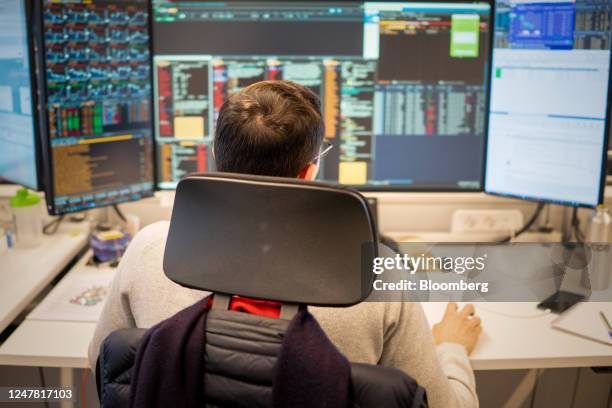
(271, 128)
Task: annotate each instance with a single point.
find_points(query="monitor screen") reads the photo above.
(403, 85)
(18, 147)
(98, 103)
(549, 100)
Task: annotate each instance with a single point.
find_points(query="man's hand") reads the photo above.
(458, 326)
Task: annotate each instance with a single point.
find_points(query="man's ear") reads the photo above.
(309, 172)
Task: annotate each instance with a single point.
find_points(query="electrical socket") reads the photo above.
(466, 221)
(5, 211)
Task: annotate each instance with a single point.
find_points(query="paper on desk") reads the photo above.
(77, 298)
(585, 321)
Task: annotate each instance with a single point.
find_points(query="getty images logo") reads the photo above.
(427, 263)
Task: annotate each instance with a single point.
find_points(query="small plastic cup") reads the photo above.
(27, 213)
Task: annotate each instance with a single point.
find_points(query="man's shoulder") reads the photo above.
(146, 249)
(156, 230)
(152, 235)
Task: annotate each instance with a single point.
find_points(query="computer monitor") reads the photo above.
(609, 166)
(549, 117)
(98, 144)
(18, 128)
(403, 85)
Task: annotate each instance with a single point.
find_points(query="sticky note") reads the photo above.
(353, 173)
(188, 127)
(465, 35)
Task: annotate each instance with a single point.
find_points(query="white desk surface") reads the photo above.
(507, 342)
(25, 272)
(52, 343)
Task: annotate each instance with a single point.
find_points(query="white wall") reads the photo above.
(398, 212)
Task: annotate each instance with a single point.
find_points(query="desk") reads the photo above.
(507, 342)
(25, 272)
(65, 342)
(54, 343)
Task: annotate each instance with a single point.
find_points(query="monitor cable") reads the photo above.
(578, 234)
(119, 213)
(104, 223)
(527, 225)
(52, 227)
(535, 315)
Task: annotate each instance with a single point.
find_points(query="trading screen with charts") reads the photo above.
(98, 104)
(403, 85)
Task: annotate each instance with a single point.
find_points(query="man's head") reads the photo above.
(271, 128)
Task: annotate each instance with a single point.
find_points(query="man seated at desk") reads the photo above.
(275, 128)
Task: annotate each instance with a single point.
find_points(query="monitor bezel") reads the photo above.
(34, 108)
(378, 188)
(604, 154)
(46, 148)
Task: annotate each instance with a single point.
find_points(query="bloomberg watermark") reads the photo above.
(510, 272)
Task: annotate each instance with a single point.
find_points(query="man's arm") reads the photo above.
(115, 315)
(444, 370)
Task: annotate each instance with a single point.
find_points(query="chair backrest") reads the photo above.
(271, 238)
(291, 241)
(371, 386)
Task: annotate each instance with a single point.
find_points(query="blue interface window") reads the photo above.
(542, 25)
(17, 147)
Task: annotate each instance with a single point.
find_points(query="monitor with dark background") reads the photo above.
(98, 144)
(403, 85)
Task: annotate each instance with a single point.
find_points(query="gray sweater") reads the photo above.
(391, 334)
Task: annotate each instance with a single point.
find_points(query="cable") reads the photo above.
(43, 383)
(119, 213)
(576, 226)
(537, 313)
(52, 227)
(528, 225)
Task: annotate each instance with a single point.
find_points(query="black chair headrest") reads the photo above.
(271, 238)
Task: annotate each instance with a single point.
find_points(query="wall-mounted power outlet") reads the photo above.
(466, 221)
(6, 192)
(5, 210)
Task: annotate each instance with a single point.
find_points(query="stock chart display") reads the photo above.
(403, 85)
(98, 102)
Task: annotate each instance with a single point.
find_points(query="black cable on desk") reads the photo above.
(576, 226)
(119, 213)
(51, 227)
(527, 225)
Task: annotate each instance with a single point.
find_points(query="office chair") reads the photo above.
(291, 241)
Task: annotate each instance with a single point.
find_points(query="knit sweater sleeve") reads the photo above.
(116, 313)
(445, 371)
(141, 295)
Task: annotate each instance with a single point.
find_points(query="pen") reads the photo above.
(605, 319)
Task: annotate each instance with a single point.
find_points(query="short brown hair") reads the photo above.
(271, 128)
